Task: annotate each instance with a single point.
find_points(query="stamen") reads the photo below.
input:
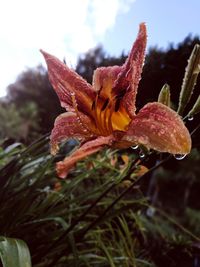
(121, 93)
(96, 112)
(93, 105)
(100, 89)
(119, 97)
(105, 121)
(117, 104)
(105, 104)
(109, 123)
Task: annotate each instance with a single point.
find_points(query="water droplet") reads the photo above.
(135, 147)
(150, 211)
(141, 154)
(46, 189)
(180, 156)
(31, 181)
(190, 118)
(128, 73)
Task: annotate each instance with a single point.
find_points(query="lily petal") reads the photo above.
(68, 83)
(85, 150)
(68, 125)
(158, 127)
(104, 78)
(127, 82)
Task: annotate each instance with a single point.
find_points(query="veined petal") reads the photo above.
(85, 150)
(68, 125)
(127, 82)
(158, 127)
(68, 83)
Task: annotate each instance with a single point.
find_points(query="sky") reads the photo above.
(68, 28)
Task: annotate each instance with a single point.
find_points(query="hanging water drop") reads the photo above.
(180, 156)
(30, 182)
(141, 154)
(190, 118)
(150, 211)
(135, 147)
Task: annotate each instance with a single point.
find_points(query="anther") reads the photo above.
(117, 104)
(105, 104)
(93, 105)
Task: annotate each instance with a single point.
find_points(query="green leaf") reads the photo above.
(14, 253)
(58, 220)
(190, 78)
(195, 109)
(164, 96)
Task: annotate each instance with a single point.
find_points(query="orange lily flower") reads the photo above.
(103, 114)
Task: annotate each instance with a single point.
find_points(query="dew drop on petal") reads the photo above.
(162, 131)
(128, 73)
(179, 156)
(135, 147)
(190, 118)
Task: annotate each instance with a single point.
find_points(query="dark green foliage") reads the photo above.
(56, 217)
(19, 124)
(33, 86)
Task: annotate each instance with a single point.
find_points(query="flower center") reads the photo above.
(109, 115)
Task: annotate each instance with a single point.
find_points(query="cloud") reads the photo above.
(103, 13)
(62, 27)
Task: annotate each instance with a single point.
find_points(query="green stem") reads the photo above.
(195, 129)
(173, 221)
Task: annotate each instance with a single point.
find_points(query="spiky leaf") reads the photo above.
(190, 78)
(196, 108)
